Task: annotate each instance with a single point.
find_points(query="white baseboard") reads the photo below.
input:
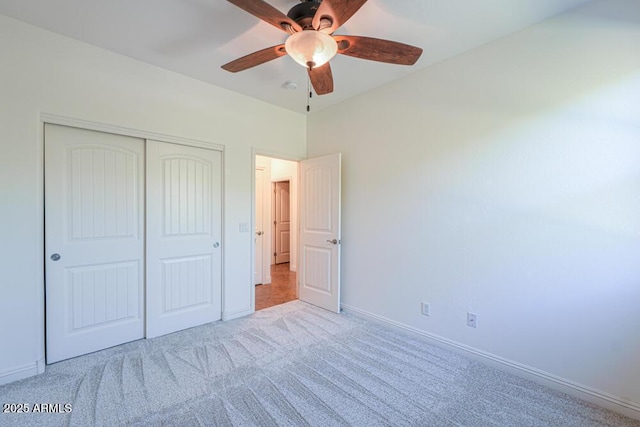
(41, 364)
(590, 394)
(230, 315)
(21, 372)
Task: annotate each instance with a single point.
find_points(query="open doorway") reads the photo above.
(276, 239)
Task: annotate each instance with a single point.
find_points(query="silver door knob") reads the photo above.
(216, 245)
(333, 242)
(55, 257)
(259, 233)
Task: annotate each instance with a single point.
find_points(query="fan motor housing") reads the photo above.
(304, 12)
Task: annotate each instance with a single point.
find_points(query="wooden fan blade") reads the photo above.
(255, 58)
(337, 11)
(267, 13)
(378, 50)
(322, 79)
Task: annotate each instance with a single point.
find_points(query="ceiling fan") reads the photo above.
(310, 25)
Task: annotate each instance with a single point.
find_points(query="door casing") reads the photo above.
(262, 274)
(265, 239)
(256, 152)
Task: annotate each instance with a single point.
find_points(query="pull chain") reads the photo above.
(310, 94)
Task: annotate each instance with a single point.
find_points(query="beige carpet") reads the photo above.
(291, 365)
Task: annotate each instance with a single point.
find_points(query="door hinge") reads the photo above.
(275, 254)
(275, 222)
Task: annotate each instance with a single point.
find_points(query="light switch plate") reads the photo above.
(472, 321)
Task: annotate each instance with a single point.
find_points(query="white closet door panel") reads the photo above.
(93, 220)
(184, 261)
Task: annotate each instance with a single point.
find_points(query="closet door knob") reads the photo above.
(55, 257)
(216, 245)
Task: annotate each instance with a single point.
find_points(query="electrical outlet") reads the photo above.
(426, 309)
(471, 320)
(243, 227)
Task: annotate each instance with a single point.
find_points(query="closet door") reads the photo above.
(94, 240)
(184, 261)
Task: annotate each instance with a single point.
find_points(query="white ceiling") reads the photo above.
(196, 37)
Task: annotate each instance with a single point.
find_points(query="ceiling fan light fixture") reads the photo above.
(310, 48)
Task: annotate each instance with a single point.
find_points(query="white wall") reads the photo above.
(41, 72)
(506, 182)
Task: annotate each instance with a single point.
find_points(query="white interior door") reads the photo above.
(282, 222)
(184, 228)
(258, 277)
(94, 240)
(319, 262)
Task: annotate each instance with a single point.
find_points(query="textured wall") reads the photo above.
(41, 72)
(506, 182)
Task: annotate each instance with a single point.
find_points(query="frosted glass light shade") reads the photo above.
(311, 48)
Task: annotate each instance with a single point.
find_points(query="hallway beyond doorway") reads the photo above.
(282, 288)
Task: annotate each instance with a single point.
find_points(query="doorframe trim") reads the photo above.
(255, 151)
(266, 236)
(56, 119)
(125, 131)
